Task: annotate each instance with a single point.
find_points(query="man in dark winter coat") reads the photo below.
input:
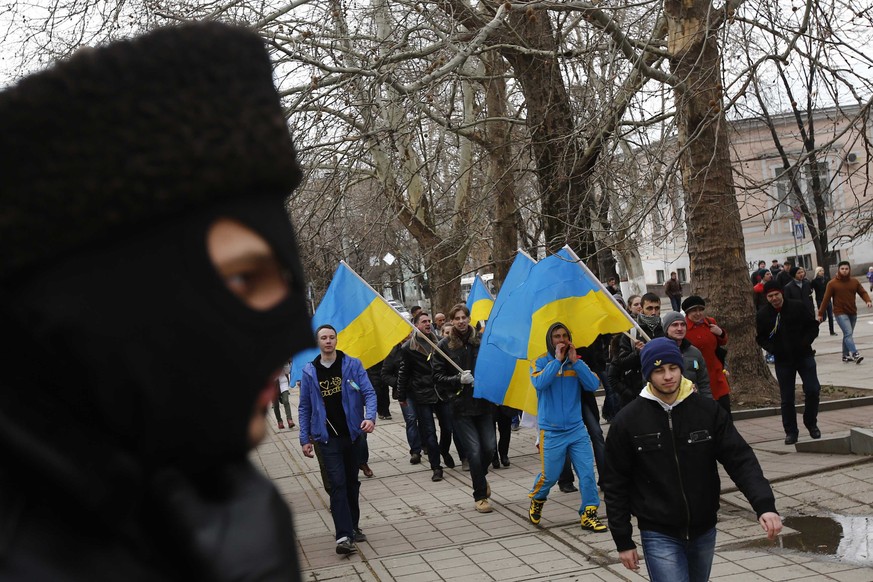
(661, 455)
(786, 329)
(799, 289)
(473, 420)
(148, 271)
(627, 372)
(391, 377)
(416, 380)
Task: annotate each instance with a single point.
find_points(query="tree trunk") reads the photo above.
(715, 236)
(501, 170)
(553, 142)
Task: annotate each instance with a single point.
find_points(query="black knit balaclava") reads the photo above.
(141, 341)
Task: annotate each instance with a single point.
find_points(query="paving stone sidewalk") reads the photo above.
(421, 531)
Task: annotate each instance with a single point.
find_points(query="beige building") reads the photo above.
(772, 225)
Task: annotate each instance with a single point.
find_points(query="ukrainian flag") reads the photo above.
(558, 288)
(504, 343)
(367, 327)
(480, 301)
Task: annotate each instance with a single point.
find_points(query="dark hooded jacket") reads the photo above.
(627, 378)
(788, 333)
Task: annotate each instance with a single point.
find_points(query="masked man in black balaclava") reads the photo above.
(150, 290)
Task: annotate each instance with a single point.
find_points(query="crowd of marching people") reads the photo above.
(667, 377)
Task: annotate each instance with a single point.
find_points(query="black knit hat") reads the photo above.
(793, 271)
(772, 285)
(693, 301)
(121, 136)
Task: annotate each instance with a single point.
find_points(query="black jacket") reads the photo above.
(627, 376)
(661, 467)
(448, 380)
(802, 293)
(391, 369)
(792, 339)
(416, 375)
(819, 285)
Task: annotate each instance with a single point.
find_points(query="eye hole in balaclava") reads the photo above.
(246, 264)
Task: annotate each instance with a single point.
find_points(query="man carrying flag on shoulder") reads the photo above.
(559, 379)
(334, 392)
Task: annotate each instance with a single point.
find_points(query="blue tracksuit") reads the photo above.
(559, 388)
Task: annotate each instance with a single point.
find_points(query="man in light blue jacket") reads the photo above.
(337, 405)
(559, 379)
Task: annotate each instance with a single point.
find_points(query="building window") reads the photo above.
(683, 278)
(660, 275)
(785, 199)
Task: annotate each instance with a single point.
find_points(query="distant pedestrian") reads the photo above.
(283, 396)
(661, 457)
(783, 277)
(842, 289)
(799, 289)
(786, 329)
(775, 267)
(870, 277)
(673, 290)
(819, 283)
(758, 274)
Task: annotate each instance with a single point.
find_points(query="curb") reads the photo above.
(823, 406)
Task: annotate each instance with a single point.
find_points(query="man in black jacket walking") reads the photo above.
(416, 380)
(661, 455)
(786, 329)
(472, 417)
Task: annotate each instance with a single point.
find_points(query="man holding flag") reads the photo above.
(559, 378)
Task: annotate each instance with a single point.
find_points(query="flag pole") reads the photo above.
(624, 312)
(412, 325)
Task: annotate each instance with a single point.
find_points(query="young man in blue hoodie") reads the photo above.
(559, 379)
(334, 392)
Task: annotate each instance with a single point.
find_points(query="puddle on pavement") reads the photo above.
(844, 537)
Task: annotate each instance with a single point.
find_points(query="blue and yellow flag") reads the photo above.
(367, 327)
(479, 301)
(504, 343)
(558, 288)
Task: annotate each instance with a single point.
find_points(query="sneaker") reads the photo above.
(567, 488)
(536, 511)
(857, 358)
(833, 333)
(384, 417)
(437, 475)
(449, 461)
(482, 506)
(465, 466)
(846, 359)
(291, 424)
(281, 424)
(590, 521)
(414, 458)
(360, 537)
(345, 546)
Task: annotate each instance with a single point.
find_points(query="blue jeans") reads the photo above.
(479, 440)
(409, 418)
(444, 416)
(786, 373)
(341, 457)
(847, 326)
(670, 559)
(427, 431)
